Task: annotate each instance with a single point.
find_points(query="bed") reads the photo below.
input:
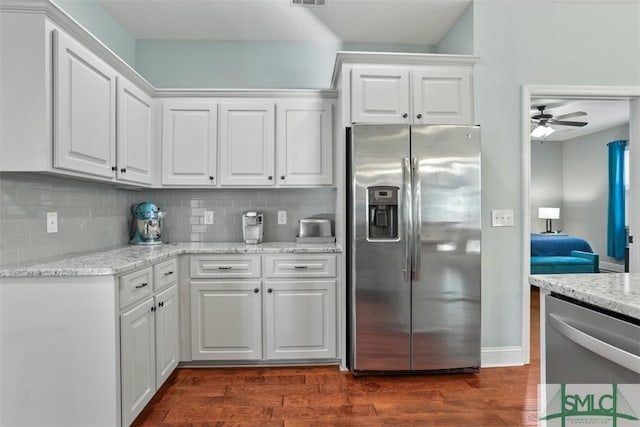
(560, 254)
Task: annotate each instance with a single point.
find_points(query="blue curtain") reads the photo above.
(616, 237)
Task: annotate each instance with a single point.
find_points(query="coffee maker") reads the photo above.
(252, 227)
(146, 224)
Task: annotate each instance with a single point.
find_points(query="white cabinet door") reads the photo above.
(305, 143)
(134, 134)
(442, 95)
(137, 347)
(167, 340)
(300, 319)
(189, 135)
(247, 144)
(226, 320)
(379, 95)
(84, 111)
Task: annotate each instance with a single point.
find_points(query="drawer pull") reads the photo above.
(256, 290)
(161, 304)
(300, 267)
(142, 285)
(168, 273)
(222, 267)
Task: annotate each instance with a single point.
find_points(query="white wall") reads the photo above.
(459, 39)
(546, 182)
(95, 18)
(248, 64)
(577, 43)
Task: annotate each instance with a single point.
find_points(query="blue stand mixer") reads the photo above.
(146, 226)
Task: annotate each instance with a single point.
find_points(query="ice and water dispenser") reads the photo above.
(383, 213)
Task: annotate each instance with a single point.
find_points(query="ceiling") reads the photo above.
(423, 22)
(601, 114)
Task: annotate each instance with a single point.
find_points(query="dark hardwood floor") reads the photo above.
(324, 396)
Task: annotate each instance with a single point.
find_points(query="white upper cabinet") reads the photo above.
(379, 95)
(442, 95)
(189, 143)
(430, 94)
(305, 143)
(134, 143)
(247, 144)
(84, 109)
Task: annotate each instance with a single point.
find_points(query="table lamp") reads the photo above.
(548, 214)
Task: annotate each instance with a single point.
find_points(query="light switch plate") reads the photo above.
(208, 217)
(52, 222)
(502, 218)
(282, 217)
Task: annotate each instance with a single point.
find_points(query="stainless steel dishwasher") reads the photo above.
(588, 345)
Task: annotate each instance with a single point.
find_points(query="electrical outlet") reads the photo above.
(282, 217)
(208, 217)
(52, 222)
(502, 218)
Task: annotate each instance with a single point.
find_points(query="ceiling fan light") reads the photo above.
(542, 131)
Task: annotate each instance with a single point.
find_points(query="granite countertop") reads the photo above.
(618, 292)
(120, 260)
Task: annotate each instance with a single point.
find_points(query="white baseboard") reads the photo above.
(610, 266)
(494, 357)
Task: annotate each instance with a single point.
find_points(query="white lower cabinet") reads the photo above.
(137, 354)
(149, 341)
(167, 339)
(226, 320)
(300, 319)
(275, 315)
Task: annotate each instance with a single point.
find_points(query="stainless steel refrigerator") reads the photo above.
(413, 248)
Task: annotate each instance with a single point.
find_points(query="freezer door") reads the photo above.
(380, 274)
(446, 255)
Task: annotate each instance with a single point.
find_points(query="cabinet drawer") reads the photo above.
(303, 265)
(135, 286)
(165, 274)
(225, 266)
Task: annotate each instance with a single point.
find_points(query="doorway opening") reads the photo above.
(560, 173)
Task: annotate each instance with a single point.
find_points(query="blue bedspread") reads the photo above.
(555, 245)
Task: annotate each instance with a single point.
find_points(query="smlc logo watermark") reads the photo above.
(592, 405)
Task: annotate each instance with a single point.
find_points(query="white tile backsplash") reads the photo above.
(94, 216)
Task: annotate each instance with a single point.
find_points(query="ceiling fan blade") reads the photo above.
(567, 123)
(542, 116)
(571, 115)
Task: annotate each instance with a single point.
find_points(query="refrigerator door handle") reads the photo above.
(416, 229)
(407, 216)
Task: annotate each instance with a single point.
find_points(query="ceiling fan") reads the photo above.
(541, 121)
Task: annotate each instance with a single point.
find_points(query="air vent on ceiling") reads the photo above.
(310, 3)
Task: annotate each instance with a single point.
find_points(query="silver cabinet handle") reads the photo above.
(142, 285)
(593, 344)
(417, 217)
(407, 215)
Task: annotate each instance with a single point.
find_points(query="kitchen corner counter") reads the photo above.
(617, 292)
(121, 260)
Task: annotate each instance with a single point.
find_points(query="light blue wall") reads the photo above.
(459, 39)
(577, 43)
(95, 18)
(247, 64)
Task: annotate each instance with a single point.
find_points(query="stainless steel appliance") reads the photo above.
(588, 345)
(252, 227)
(315, 230)
(414, 248)
(146, 225)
